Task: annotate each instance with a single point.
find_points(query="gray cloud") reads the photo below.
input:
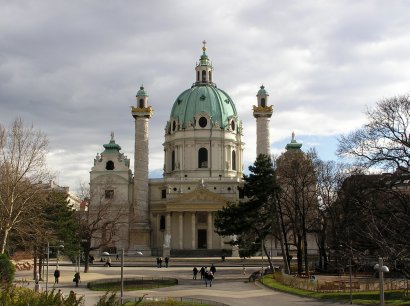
(73, 68)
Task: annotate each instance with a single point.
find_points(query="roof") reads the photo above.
(206, 98)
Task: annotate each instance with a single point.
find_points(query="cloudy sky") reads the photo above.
(72, 68)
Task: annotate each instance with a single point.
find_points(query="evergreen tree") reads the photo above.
(252, 220)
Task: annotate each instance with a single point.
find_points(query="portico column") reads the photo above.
(193, 230)
(209, 231)
(181, 230)
(168, 228)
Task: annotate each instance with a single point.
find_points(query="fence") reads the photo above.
(340, 284)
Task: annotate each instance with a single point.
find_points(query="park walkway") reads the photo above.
(230, 285)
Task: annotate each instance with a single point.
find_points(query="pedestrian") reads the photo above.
(118, 256)
(209, 277)
(202, 271)
(244, 269)
(194, 272)
(213, 269)
(108, 262)
(166, 262)
(56, 276)
(76, 278)
(157, 262)
(160, 262)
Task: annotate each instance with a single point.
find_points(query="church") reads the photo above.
(203, 170)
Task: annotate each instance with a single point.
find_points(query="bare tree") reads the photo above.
(22, 171)
(330, 176)
(100, 221)
(385, 140)
(296, 178)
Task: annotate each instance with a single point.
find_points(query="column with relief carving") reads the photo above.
(140, 227)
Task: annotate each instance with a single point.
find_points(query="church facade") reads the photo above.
(203, 170)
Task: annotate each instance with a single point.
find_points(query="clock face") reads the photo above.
(203, 122)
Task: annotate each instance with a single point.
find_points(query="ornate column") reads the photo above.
(262, 112)
(140, 228)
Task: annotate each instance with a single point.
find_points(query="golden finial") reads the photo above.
(204, 47)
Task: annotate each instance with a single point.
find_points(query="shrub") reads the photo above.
(7, 270)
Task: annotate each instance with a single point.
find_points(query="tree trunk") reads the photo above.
(283, 239)
(86, 261)
(35, 267)
(267, 255)
(4, 237)
(305, 251)
(299, 254)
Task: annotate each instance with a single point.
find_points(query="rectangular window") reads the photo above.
(109, 194)
(163, 193)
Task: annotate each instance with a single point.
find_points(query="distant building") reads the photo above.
(73, 200)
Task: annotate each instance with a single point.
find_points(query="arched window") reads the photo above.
(173, 160)
(109, 165)
(203, 76)
(141, 103)
(263, 102)
(210, 76)
(233, 160)
(197, 76)
(203, 158)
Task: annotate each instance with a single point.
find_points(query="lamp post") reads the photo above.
(122, 273)
(382, 269)
(122, 276)
(48, 257)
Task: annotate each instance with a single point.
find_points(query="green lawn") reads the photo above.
(131, 285)
(359, 298)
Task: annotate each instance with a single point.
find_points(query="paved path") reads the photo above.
(230, 286)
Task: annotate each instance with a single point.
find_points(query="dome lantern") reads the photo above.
(204, 69)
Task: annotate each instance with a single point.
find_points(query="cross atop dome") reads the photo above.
(204, 47)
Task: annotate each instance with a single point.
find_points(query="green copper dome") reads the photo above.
(111, 147)
(262, 91)
(203, 98)
(142, 92)
(293, 145)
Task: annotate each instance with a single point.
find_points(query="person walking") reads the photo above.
(194, 272)
(213, 269)
(166, 262)
(209, 277)
(56, 276)
(76, 278)
(160, 262)
(108, 262)
(202, 271)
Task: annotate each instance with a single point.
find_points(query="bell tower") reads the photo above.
(262, 112)
(140, 230)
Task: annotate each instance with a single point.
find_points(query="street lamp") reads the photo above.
(48, 257)
(382, 269)
(122, 273)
